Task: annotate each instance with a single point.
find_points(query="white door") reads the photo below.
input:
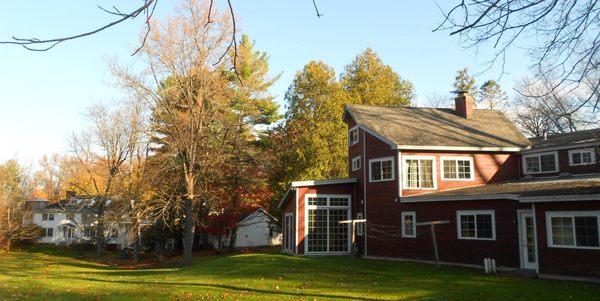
(527, 241)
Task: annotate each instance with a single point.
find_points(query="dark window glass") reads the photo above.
(586, 231)
(484, 226)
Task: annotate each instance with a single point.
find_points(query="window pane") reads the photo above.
(386, 170)
(317, 230)
(532, 164)
(464, 169)
(450, 169)
(576, 158)
(484, 226)
(426, 173)
(338, 201)
(409, 225)
(338, 233)
(562, 231)
(375, 171)
(586, 231)
(317, 201)
(467, 225)
(586, 157)
(412, 170)
(547, 162)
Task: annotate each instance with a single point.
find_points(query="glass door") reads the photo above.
(528, 241)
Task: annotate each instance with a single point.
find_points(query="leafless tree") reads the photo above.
(562, 37)
(101, 150)
(438, 100)
(540, 109)
(188, 96)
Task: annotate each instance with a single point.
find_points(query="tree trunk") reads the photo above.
(232, 239)
(100, 247)
(188, 234)
(136, 243)
(8, 242)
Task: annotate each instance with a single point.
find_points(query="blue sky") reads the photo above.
(43, 94)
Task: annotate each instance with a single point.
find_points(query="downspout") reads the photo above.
(368, 165)
(400, 170)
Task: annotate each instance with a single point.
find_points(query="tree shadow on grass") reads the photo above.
(223, 286)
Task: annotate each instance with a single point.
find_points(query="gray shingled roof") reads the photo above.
(408, 126)
(567, 139)
(531, 188)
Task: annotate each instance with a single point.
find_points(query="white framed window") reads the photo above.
(381, 169)
(47, 216)
(476, 224)
(457, 168)
(419, 172)
(584, 156)
(48, 232)
(573, 229)
(359, 226)
(356, 164)
(325, 233)
(353, 136)
(409, 224)
(540, 163)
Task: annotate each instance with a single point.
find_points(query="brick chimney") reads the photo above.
(463, 104)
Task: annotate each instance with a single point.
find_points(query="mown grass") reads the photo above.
(50, 274)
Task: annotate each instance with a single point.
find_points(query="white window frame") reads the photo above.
(572, 215)
(359, 226)
(383, 159)
(350, 133)
(46, 232)
(455, 159)
(349, 216)
(414, 227)
(460, 213)
(405, 171)
(556, 168)
(592, 151)
(358, 165)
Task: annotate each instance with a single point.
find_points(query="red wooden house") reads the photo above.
(528, 204)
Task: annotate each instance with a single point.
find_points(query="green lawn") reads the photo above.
(44, 274)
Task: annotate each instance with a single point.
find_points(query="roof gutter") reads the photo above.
(514, 197)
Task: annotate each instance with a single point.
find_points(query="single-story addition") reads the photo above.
(529, 204)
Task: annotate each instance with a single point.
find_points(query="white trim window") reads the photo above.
(381, 169)
(356, 163)
(540, 163)
(359, 226)
(457, 168)
(353, 136)
(419, 172)
(48, 232)
(573, 229)
(584, 156)
(409, 224)
(476, 224)
(324, 232)
(47, 216)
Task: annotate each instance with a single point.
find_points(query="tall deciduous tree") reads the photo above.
(188, 93)
(463, 81)
(101, 150)
(313, 139)
(369, 81)
(491, 96)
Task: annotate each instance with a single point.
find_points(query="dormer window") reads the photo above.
(584, 156)
(457, 169)
(540, 163)
(353, 136)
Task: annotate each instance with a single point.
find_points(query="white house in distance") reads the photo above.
(257, 229)
(73, 220)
